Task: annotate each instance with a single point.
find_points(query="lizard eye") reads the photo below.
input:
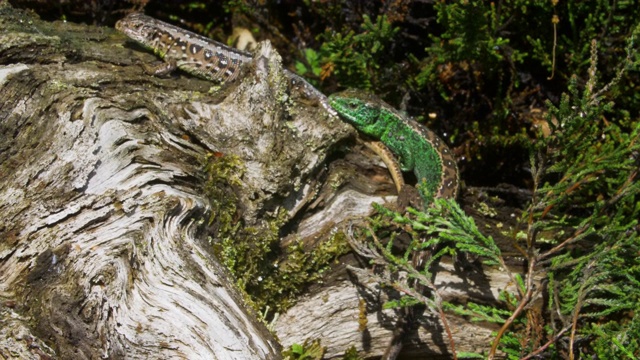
(352, 105)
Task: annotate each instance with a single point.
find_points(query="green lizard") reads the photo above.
(417, 148)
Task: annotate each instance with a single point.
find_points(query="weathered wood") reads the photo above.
(103, 233)
(333, 313)
(345, 309)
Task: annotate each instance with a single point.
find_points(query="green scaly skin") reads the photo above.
(418, 149)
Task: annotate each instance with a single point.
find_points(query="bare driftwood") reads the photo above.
(345, 310)
(105, 235)
(348, 313)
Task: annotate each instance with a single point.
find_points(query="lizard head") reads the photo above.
(140, 28)
(360, 109)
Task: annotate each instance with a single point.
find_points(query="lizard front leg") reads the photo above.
(162, 69)
(407, 194)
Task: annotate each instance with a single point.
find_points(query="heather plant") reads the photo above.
(585, 202)
(355, 57)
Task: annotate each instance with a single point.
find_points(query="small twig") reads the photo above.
(547, 344)
(563, 244)
(554, 20)
(523, 302)
(576, 312)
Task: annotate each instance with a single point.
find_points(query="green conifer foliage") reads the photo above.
(586, 202)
